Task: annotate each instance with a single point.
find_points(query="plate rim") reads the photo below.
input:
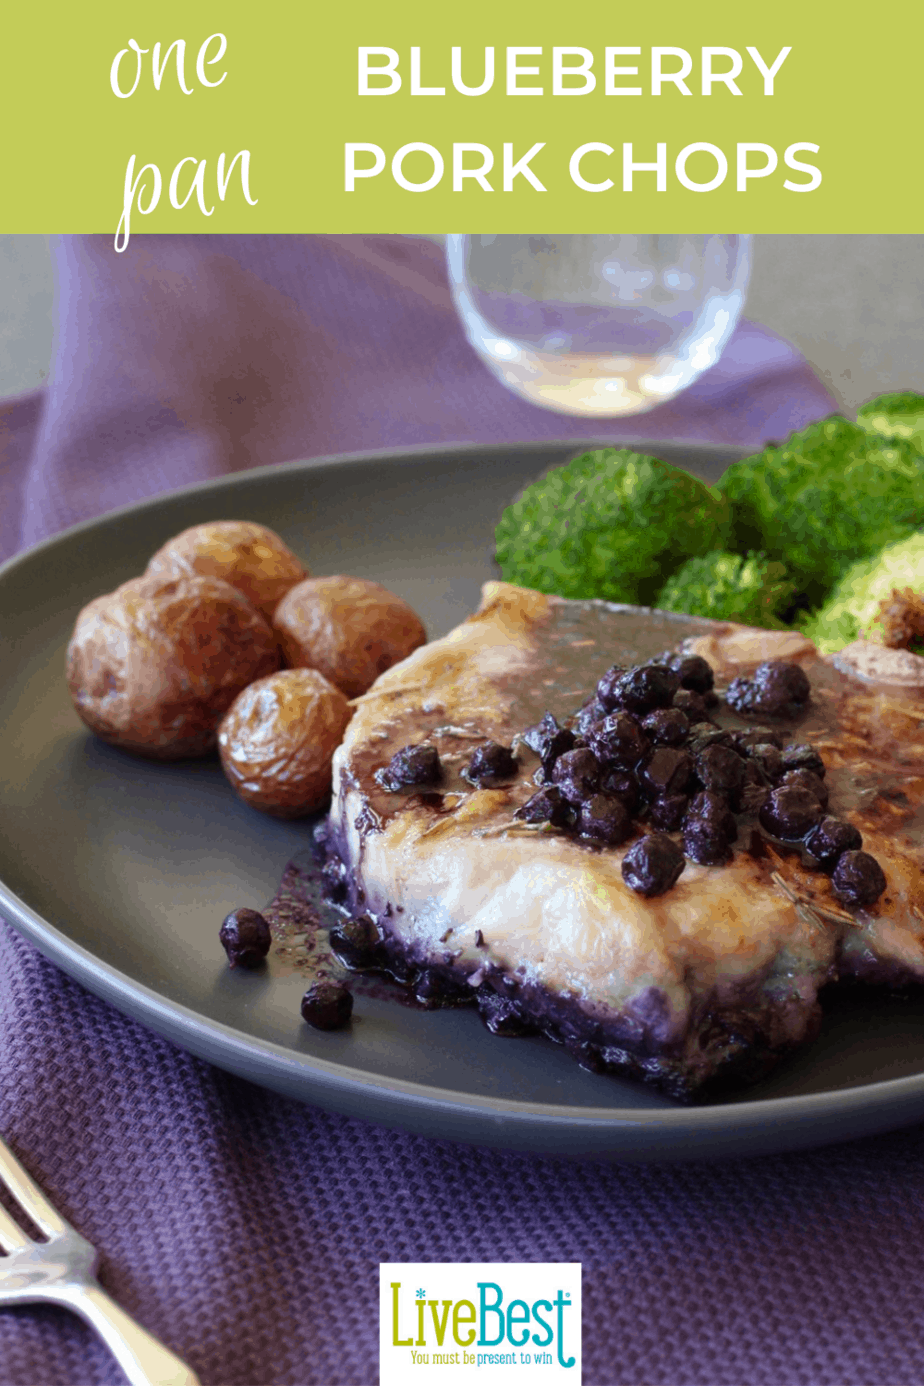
(363, 457)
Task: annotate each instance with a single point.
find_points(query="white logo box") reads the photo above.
(479, 1321)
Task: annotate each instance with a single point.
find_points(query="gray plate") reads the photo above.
(120, 870)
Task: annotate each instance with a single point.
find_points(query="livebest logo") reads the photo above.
(493, 1321)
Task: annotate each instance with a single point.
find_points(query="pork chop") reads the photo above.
(704, 985)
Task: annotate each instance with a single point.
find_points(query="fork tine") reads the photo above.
(11, 1234)
(29, 1197)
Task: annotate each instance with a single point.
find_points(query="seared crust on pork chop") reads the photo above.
(708, 983)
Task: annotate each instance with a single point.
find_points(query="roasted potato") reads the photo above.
(154, 666)
(251, 557)
(349, 629)
(278, 738)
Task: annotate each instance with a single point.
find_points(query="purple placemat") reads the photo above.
(245, 1229)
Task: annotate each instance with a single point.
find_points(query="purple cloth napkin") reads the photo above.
(245, 1229)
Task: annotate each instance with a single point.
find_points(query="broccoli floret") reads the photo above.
(730, 587)
(853, 608)
(829, 495)
(610, 524)
(895, 416)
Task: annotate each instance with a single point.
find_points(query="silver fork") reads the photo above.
(63, 1271)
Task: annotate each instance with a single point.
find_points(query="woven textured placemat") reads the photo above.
(246, 1229)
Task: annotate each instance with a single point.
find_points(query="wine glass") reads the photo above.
(598, 325)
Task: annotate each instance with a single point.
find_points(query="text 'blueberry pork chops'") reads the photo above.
(663, 893)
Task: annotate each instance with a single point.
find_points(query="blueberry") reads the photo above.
(858, 878)
(536, 736)
(577, 774)
(623, 785)
(605, 819)
(803, 757)
(722, 770)
(756, 736)
(830, 839)
(667, 726)
(356, 941)
(667, 771)
(766, 755)
(782, 686)
(741, 697)
(695, 672)
(590, 714)
(492, 762)
(327, 1005)
(646, 687)
(549, 740)
(692, 705)
(608, 695)
(411, 768)
(246, 938)
(791, 812)
(619, 740)
(556, 745)
(703, 734)
(653, 865)
(561, 748)
(755, 793)
(548, 806)
(810, 781)
(667, 813)
(712, 809)
(704, 842)
(778, 689)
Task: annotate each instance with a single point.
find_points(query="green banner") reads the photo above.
(195, 117)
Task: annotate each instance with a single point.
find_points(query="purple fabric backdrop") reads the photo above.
(189, 357)
(245, 1229)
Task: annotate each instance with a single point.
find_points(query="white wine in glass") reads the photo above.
(598, 325)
